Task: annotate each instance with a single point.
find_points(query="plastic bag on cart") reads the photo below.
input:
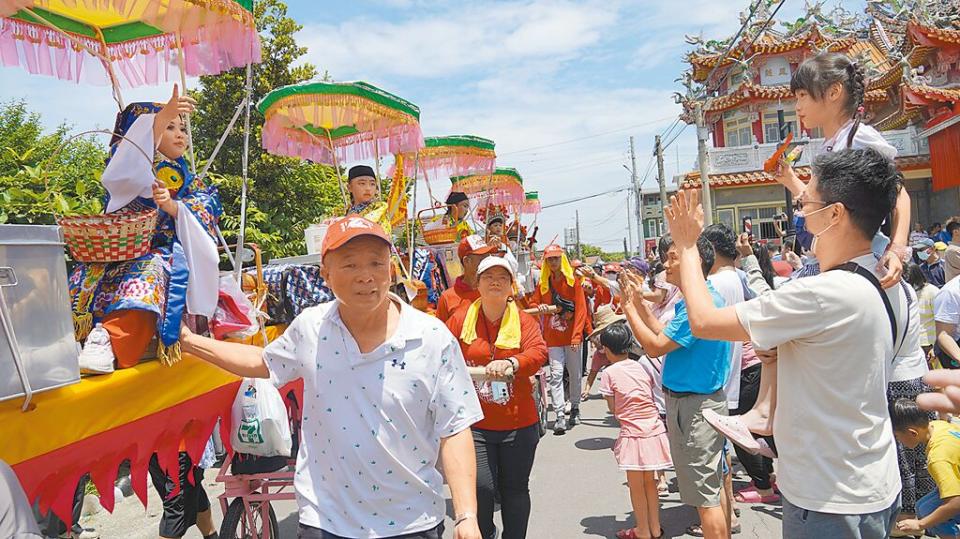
(260, 424)
(235, 315)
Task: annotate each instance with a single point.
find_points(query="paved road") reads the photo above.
(576, 488)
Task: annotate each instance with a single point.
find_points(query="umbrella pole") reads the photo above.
(336, 167)
(245, 161)
(183, 84)
(376, 157)
(412, 234)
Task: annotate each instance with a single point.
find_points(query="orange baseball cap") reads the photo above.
(474, 245)
(552, 250)
(352, 226)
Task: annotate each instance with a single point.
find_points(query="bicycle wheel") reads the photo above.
(239, 525)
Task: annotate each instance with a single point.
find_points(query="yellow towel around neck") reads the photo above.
(508, 337)
(565, 268)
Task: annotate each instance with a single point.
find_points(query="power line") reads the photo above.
(752, 41)
(613, 214)
(586, 197)
(733, 42)
(586, 137)
(675, 137)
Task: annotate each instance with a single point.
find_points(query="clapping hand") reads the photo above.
(685, 217)
(631, 286)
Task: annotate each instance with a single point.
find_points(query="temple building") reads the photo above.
(912, 63)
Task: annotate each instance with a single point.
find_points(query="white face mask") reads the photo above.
(816, 236)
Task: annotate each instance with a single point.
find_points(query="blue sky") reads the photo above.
(560, 86)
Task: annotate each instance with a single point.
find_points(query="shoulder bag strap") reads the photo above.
(861, 271)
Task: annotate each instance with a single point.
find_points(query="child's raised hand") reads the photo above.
(178, 105)
(786, 176)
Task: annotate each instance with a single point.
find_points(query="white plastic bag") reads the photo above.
(260, 424)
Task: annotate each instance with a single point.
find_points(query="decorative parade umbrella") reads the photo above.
(327, 122)
(532, 203)
(504, 186)
(452, 155)
(127, 42)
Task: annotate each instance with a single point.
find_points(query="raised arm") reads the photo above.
(177, 105)
(685, 216)
(645, 326)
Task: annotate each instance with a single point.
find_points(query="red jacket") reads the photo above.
(520, 410)
(452, 298)
(577, 325)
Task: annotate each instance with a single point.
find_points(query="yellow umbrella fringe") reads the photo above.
(440, 152)
(381, 113)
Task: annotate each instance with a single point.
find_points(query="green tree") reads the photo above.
(43, 175)
(593, 250)
(285, 195)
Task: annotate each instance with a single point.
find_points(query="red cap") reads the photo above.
(474, 245)
(611, 267)
(552, 250)
(352, 226)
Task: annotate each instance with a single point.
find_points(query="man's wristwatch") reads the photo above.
(462, 517)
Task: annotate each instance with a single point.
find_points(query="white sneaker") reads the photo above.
(97, 354)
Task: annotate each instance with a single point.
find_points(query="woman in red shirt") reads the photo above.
(494, 333)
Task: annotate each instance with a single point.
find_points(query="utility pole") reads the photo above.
(639, 199)
(702, 159)
(579, 251)
(661, 181)
(625, 251)
(629, 229)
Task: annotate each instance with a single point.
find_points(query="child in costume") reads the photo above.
(363, 187)
(136, 299)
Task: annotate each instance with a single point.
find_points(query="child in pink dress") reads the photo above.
(641, 448)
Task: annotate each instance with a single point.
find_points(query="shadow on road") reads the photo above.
(594, 444)
(605, 526)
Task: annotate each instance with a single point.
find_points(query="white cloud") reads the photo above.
(451, 42)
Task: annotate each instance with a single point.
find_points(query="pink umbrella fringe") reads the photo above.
(457, 165)
(207, 50)
(376, 138)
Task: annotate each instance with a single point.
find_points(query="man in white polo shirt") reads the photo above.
(837, 336)
(386, 393)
